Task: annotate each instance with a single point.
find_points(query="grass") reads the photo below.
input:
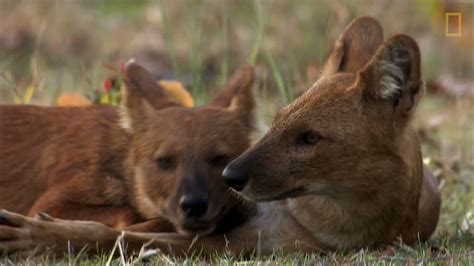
(49, 47)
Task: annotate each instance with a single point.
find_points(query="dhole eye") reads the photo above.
(309, 138)
(165, 163)
(219, 160)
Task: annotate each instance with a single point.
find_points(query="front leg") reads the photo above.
(21, 233)
(18, 232)
(243, 241)
(429, 205)
(155, 225)
(177, 245)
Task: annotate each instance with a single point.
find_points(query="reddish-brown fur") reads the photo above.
(65, 161)
(92, 163)
(339, 169)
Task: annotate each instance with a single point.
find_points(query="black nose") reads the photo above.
(193, 206)
(234, 178)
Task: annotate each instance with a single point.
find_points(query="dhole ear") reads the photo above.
(141, 95)
(239, 96)
(239, 88)
(394, 74)
(354, 47)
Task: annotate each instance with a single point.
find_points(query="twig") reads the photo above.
(117, 244)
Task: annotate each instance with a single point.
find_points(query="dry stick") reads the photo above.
(117, 243)
(195, 239)
(122, 256)
(82, 251)
(226, 245)
(144, 253)
(259, 246)
(69, 252)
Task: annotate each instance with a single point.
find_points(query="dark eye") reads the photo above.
(309, 138)
(165, 163)
(219, 160)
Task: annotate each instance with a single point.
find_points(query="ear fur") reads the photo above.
(239, 96)
(354, 47)
(240, 85)
(394, 74)
(141, 95)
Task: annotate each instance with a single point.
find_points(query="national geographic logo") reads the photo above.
(453, 22)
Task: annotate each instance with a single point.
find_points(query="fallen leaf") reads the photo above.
(178, 92)
(72, 99)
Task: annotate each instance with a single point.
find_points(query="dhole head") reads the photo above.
(177, 153)
(344, 133)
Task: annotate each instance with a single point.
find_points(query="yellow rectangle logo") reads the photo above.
(453, 21)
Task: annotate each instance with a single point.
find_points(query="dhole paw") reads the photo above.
(12, 219)
(14, 236)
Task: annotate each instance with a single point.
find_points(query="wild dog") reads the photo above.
(153, 159)
(340, 168)
(344, 155)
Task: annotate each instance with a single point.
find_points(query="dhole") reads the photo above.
(340, 168)
(157, 160)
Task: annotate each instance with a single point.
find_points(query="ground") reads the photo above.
(51, 47)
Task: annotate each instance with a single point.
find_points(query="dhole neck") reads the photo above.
(341, 223)
(115, 150)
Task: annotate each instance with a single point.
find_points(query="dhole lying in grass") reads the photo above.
(340, 168)
(157, 161)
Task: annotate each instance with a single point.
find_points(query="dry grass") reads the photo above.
(48, 47)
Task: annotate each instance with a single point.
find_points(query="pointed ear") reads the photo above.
(354, 47)
(394, 75)
(141, 95)
(238, 88)
(239, 96)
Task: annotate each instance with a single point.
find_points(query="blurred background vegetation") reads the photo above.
(49, 47)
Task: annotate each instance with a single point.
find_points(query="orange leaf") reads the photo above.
(178, 92)
(72, 99)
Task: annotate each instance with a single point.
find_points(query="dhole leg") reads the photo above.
(429, 205)
(19, 233)
(176, 244)
(155, 225)
(58, 204)
(242, 242)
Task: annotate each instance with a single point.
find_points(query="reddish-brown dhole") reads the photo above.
(156, 159)
(340, 168)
